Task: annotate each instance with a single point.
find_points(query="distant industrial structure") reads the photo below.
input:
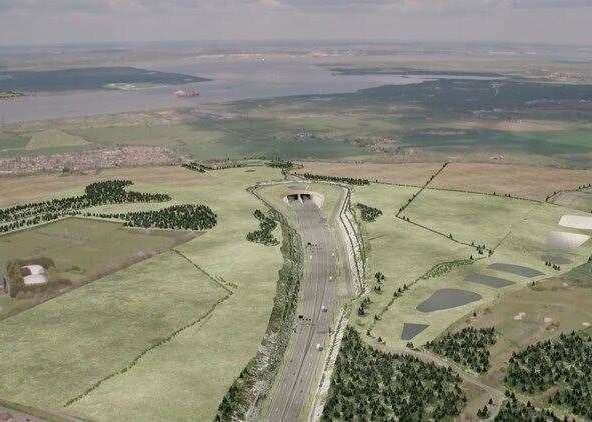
(186, 93)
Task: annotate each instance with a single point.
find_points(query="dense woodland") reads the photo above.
(565, 362)
(513, 410)
(368, 384)
(99, 193)
(369, 214)
(177, 217)
(265, 233)
(468, 347)
(348, 180)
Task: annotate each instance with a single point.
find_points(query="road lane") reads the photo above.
(316, 292)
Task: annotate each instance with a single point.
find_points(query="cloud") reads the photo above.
(415, 6)
(429, 6)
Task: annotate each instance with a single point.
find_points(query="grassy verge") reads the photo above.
(255, 381)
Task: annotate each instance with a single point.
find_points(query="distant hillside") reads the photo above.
(88, 79)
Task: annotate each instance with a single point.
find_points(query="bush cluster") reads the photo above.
(348, 180)
(468, 347)
(565, 362)
(443, 268)
(266, 226)
(368, 384)
(369, 214)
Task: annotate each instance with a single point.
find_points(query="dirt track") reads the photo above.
(316, 291)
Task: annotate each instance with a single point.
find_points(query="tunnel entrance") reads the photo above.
(304, 197)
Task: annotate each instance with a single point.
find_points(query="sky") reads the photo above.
(74, 21)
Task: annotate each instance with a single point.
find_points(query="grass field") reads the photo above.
(54, 138)
(581, 200)
(564, 302)
(404, 252)
(517, 180)
(483, 219)
(396, 173)
(57, 350)
(195, 369)
(401, 251)
(83, 249)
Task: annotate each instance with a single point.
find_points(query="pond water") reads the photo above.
(447, 299)
(232, 79)
(410, 330)
(516, 269)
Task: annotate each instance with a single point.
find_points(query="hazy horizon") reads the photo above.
(37, 22)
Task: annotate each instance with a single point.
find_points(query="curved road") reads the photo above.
(317, 293)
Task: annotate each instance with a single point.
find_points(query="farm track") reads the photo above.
(304, 360)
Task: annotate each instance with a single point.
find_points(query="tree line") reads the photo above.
(369, 214)
(177, 217)
(565, 362)
(195, 166)
(266, 226)
(348, 180)
(281, 164)
(368, 384)
(467, 347)
(98, 193)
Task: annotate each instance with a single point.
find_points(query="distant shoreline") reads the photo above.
(87, 79)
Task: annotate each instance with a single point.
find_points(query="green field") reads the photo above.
(483, 219)
(56, 351)
(83, 249)
(404, 252)
(195, 369)
(580, 200)
(54, 138)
